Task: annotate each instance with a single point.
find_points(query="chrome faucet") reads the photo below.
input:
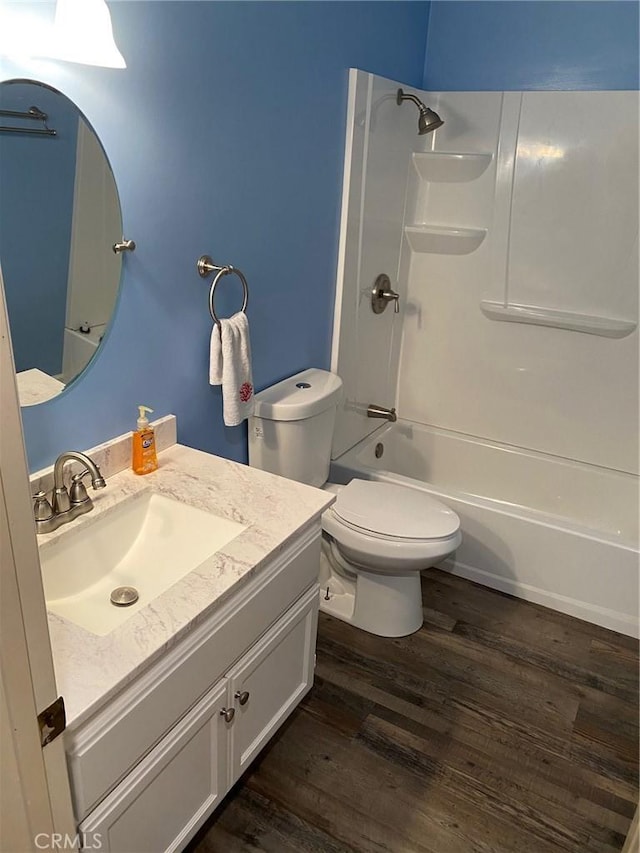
(382, 412)
(66, 505)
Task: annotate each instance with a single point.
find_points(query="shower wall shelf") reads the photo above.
(443, 240)
(450, 167)
(607, 327)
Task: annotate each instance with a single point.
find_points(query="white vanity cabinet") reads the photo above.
(141, 784)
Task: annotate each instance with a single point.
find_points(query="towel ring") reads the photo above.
(245, 290)
(205, 267)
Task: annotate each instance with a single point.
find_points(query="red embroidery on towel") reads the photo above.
(246, 390)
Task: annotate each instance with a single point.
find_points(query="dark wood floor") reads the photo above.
(499, 727)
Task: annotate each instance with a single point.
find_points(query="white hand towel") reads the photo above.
(230, 366)
(215, 356)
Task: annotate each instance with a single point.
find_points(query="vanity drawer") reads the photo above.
(103, 750)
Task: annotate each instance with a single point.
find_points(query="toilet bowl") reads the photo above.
(377, 537)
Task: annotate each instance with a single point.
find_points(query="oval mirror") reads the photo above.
(59, 218)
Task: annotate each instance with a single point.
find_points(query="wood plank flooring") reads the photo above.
(500, 727)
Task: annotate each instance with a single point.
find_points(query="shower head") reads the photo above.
(428, 119)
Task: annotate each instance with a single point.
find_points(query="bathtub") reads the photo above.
(546, 529)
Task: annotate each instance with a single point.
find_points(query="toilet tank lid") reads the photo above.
(301, 396)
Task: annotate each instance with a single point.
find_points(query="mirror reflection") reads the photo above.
(59, 218)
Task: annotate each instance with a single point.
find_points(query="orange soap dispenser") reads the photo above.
(144, 459)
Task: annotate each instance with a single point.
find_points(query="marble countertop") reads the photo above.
(90, 668)
(34, 386)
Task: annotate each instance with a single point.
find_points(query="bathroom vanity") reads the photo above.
(169, 708)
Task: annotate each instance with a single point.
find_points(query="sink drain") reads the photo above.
(124, 596)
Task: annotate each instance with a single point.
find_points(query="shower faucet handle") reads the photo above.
(382, 295)
(391, 294)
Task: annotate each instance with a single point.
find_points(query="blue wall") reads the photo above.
(226, 136)
(486, 45)
(37, 176)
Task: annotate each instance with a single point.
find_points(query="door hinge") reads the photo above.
(52, 721)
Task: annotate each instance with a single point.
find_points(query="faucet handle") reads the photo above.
(382, 294)
(78, 493)
(42, 509)
(391, 295)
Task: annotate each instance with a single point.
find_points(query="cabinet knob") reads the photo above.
(228, 714)
(243, 697)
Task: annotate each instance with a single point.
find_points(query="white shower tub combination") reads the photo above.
(549, 530)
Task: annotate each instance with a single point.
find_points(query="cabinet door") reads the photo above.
(167, 797)
(269, 681)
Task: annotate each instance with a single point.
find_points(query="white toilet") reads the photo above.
(376, 536)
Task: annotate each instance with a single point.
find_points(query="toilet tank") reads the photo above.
(291, 429)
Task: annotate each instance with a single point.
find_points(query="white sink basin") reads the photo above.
(148, 542)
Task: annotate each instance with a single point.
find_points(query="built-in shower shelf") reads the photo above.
(607, 327)
(443, 240)
(449, 166)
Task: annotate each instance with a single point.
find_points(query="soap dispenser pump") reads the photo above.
(144, 458)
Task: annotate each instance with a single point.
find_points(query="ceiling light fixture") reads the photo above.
(82, 32)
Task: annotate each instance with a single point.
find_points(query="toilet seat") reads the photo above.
(389, 510)
(413, 529)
